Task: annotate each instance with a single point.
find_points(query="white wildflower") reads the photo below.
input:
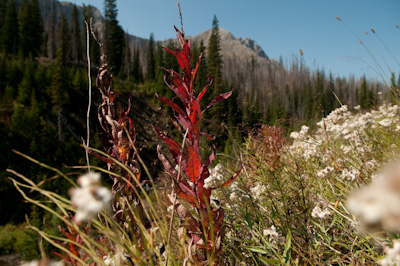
(257, 190)
(271, 234)
(295, 135)
(216, 177)
(319, 213)
(304, 130)
(346, 149)
(324, 172)
(371, 164)
(350, 174)
(386, 122)
(392, 255)
(378, 204)
(90, 198)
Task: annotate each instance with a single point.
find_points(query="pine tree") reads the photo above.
(202, 73)
(51, 40)
(214, 59)
(30, 28)
(3, 11)
(170, 60)
(217, 114)
(159, 61)
(136, 68)
(114, 36)
(27, 84)
(76, 46)
(10, 29)
(60, 79)
(151, 61)
(127, 58)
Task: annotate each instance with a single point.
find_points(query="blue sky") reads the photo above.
(282, 27)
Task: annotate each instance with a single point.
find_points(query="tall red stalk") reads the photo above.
(204, 230)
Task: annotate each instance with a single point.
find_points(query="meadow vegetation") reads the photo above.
(326, 194)
(292, 203)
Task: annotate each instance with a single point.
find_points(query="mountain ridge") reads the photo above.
(243, 49)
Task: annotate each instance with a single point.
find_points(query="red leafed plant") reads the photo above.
(204, 227)
(264, 147)
(74, 243)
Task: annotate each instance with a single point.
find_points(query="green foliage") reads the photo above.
(10, 29)
(114, 36)
(30, 28)
(151, 60)
(18, 240)
(75, 42)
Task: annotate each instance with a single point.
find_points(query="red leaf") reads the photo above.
(174, 147)
(177, 85)
(166, 163)
(211, 157)
(184, 61)
(230, 180)
(189, 195)
(169, 51)
(61, 256)
(192, 170)
(180, 36)
(218, 99)
(208, 84)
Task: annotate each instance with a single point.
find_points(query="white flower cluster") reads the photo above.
(324, 172)
(392, 255)
(257, 190)
(341, 123)
(116, 260)
(377, 205)
(350, 174)
(90, 198)
(318, 213)
(216, 178)
(304, 145)
(236, 193)
(272, 235)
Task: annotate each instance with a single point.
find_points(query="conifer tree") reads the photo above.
(3, 10)
(214, 59)
(27, 84)
(60, 79)
(202, 73)
(127, 58)
(170, 60)
(151, 61)
(51, 39)
(114, 36)
(217, 114)
(136, 68)
(159, 61)
(10, 29)
(30, 28)
(76, 46)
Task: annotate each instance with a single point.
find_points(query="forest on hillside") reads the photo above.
(44, 91)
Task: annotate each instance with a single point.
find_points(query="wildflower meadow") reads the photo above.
(327, 194)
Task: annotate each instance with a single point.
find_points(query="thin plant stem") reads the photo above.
(90, 96)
